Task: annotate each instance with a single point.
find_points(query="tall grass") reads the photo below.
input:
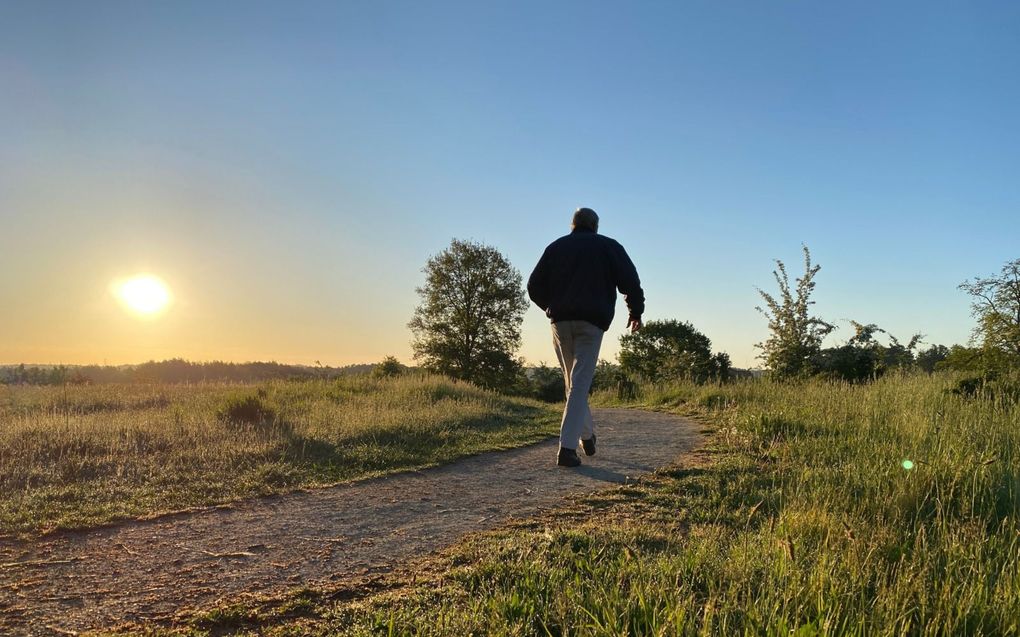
(806, 522)
(77, 456)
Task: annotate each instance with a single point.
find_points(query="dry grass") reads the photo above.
(80, 456)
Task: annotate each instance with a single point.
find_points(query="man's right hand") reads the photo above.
(634, 325)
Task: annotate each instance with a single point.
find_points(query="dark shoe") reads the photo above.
(589, 446)
(568, 458)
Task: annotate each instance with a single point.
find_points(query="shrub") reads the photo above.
(612, 377)
(795, 336)
(246, 409)
(546, 383)
(928, 359)
(671, 350)
(991, 386)
(388, 368)
(863, 358)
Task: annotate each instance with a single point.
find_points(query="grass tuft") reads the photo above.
(246, 409)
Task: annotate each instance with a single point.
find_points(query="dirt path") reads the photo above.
(149, 569)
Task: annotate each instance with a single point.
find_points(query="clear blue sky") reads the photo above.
(287, 167)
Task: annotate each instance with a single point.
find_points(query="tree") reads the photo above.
(671, 350)
(863, 357)
(927, 359)
(388, 368)
(795, 338)
(996, 306)
(546, 383)
(468, 325)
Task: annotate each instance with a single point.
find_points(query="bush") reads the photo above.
(928, 359)
(850, 363)
(980, 361)
(671, 350)
(991, 386)
(612, 377)
(546, 383)
(863, 358)
(795, 336)
(246, 409)
(388, 368)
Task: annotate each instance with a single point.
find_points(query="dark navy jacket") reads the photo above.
(578, 276)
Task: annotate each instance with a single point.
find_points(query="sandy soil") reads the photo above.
(151, 569)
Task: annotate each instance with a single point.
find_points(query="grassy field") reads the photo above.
(802, 518)
(79, 456)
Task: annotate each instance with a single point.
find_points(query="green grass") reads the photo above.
(80, 456)
(799, 519)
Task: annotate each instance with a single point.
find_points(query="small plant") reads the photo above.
(246, 409)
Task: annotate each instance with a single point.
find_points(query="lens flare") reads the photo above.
(144, 294)
(907, 464)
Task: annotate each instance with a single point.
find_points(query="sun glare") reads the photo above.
(143, 294)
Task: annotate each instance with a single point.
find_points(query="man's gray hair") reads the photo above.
(585, 218)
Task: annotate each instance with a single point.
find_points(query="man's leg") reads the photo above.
(563, 342)
(589, 426)
(588, 432)
(577, 422)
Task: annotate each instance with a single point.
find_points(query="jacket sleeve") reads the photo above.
(628, 283)
(538, 282)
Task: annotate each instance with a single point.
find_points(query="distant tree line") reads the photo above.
(169, 371)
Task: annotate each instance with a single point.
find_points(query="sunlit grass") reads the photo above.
(78, 456)
(802, 521)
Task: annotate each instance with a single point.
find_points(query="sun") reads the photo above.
(143, 294)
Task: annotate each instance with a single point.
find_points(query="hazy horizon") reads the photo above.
(286, 170)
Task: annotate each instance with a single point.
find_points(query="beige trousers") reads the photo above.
(577, 346)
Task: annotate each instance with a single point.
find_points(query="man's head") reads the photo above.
(586, 219)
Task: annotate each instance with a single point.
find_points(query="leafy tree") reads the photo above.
(996, 306)
(671, 350)
(468, 325)
(863, 357)
(976, 360)
(927, 359)
(388, 368)
(899, 356)
(546, 383)
(795, 338)
(722, 364)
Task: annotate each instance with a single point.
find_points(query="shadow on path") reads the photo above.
(603, 474)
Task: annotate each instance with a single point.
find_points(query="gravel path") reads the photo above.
(146, 569)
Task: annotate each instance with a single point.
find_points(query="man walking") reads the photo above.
(575, 283)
